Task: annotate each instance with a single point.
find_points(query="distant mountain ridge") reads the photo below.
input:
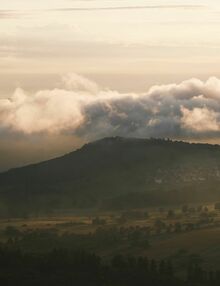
(109, 171)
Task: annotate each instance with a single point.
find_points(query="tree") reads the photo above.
(11, 232)
(185, 208)
(178, 227)
(171, 214)
(217, 206)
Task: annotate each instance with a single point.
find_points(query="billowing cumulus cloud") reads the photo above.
(200, 119)
(80, 107)
(79, 83)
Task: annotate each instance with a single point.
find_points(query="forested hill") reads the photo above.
(116, 170)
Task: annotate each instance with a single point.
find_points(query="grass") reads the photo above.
(203, 241)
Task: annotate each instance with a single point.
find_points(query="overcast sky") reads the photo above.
(73, 71)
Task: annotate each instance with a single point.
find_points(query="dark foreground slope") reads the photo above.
(116, 172)
(61, 267)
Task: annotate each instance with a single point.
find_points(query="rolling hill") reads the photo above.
(115, 173)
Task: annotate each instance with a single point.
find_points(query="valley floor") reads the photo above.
(181, 234)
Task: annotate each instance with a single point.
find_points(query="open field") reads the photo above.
(179, 233)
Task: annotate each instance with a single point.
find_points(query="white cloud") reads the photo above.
(82, 108)
(73, 81)
(200, 119)
(46, 111)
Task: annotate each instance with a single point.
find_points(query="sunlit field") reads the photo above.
(177, 233)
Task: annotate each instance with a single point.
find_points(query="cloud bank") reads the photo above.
(81, 108)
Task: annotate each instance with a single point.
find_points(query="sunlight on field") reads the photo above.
(171, 232)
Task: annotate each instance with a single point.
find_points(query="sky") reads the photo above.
(72, 71)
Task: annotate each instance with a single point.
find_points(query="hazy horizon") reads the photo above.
(74, 71)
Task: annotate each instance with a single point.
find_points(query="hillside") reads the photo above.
(117, 172)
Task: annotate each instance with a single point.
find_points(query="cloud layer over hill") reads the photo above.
(190, 109)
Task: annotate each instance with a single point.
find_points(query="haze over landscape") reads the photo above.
(76, 71)
(109, 142)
